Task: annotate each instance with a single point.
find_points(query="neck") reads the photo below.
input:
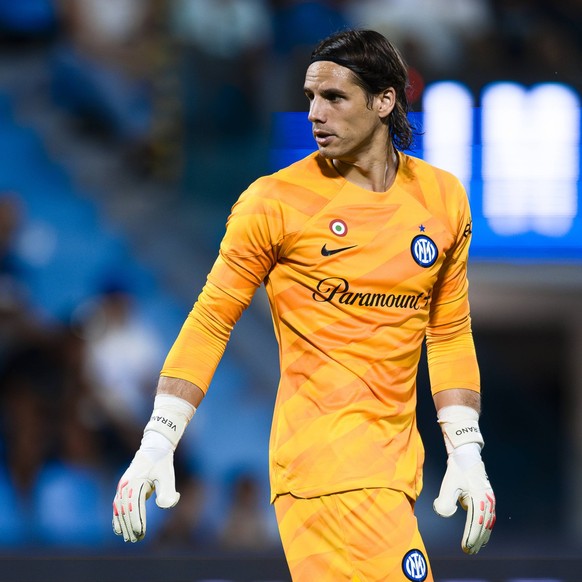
(376, 175)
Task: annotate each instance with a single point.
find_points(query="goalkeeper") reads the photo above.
(363, 252)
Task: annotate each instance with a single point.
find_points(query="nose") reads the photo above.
(316, 111)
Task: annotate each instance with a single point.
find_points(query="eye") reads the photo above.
(333, 96)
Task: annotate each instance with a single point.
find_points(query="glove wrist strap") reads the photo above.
(460, 426)
(170, 417)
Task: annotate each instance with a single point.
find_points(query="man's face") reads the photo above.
(345, 126)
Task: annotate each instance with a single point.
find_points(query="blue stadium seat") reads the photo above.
(13, 519)
(72, 506)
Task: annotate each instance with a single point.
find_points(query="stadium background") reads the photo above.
(127, 130)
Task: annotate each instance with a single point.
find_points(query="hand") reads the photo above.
(470, 486)
(152, 468)
(142, 477)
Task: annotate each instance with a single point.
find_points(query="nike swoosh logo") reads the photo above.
(327, 252)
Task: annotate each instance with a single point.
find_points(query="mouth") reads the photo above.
(322, 138)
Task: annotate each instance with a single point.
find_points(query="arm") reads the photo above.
(458, 396)
(455, 384)
(152, 467)
(181, 389)
(246, 257)
(465, 479)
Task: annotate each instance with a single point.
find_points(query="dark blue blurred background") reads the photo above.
(128, 128)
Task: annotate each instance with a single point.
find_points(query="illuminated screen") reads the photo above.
(518, 156)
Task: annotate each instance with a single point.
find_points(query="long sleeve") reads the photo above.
(247, 253)
(450, 348)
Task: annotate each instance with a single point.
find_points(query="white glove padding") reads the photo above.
(135, 486)
(152, 468)
(465, 479)
(472, 489)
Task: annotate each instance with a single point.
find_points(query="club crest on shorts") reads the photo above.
(414, 566)
(424, 250)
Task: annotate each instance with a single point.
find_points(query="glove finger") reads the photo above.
(120, 511)
(165, 483)
(168, 500)
(127, 507)
(444, 506)
(115, 521)
(485, 538)
(123, 525)
(489, 517)
(137, 496)
(451, 489)
(472, 530)
(479, 523)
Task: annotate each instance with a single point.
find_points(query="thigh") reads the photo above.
(357, 536)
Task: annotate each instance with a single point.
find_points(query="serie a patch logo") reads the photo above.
(414, 566)
(424, 250)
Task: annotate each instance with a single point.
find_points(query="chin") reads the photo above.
(328, 153)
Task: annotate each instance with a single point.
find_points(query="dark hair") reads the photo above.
(376, 65)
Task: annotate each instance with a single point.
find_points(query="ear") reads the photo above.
(385, 102)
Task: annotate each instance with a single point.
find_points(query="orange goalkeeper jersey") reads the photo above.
(356, 280)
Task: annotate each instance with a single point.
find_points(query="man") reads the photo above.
(363, 253)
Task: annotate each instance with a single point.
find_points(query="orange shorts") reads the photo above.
(366, 535)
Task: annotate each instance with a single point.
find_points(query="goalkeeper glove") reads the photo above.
(465, 479)
(152, 468)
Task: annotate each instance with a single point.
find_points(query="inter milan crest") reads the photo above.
(414, 566)
(424, 250)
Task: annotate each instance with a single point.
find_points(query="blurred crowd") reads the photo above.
(75, 394)
(184, 89)
(174, 81)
